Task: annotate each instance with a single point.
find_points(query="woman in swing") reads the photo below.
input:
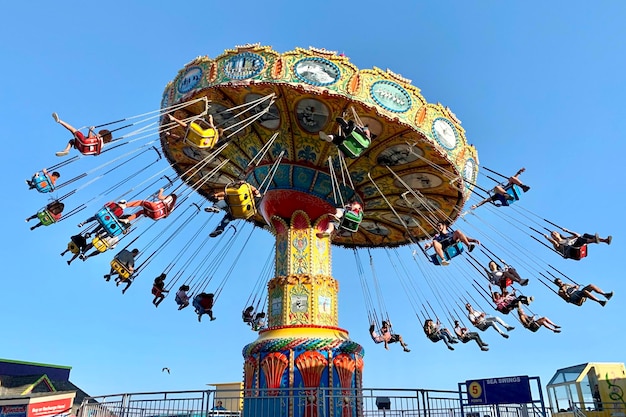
(505, 302)
(503, 276)
(182, 298)
(385, 336)
(435, 333)
(90, 145)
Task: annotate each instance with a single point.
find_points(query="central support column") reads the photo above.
(303, 361)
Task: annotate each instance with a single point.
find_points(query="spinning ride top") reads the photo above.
(415, 166)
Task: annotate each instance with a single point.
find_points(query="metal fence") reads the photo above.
(287, 403)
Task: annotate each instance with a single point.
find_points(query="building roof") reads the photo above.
(28, 379)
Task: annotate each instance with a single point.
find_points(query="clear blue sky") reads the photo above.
(536, 84)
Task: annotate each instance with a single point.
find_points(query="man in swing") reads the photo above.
(103, 135)
(127, 259)
(573, 294)
(500, 191)
(565, 245)
(446, 238)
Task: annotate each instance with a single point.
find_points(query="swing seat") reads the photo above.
(201, 135)
(351, 221)
(73, 247)
(354, 144)
(240, 201)
(449, 252)
(513, 191)
(109, 222)
(576, 253)
(121, 269)
(89, 145)
(99, 244)
(43, 183)
(45, 217)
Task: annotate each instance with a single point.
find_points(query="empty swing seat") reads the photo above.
(43, 183)
(351, 221)
(449, 252)
(354, 144)
(201, 135)
(240, 201)
(110, 222)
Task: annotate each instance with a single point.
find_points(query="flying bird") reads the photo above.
(165, 369)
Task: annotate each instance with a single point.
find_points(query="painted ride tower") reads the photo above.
(417, 163)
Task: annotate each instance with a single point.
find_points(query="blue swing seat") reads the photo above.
(449, 252)
(512, 190)
(42, 182)
(110, 222)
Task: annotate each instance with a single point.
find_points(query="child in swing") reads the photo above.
(41, 177)
(103, 135)
(333, 224)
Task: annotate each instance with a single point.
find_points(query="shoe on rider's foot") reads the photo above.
(55, 117)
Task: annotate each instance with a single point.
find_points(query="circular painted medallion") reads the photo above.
(312, 115)
(192, 77)
(398, 155)
(244, 65)
(420, 181)
(390, 96)
(270, 119)
(469, 172)
(445, 133)
(316, 71)
(421, 204)
(408, 220)
(375, 228)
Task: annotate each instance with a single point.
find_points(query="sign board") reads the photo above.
(13, 410)
(506, 390)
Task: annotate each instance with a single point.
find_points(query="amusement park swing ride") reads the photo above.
(253, 125)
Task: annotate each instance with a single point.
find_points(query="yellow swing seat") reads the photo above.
(240, 201)
(201, 135)
(99, 244)
(120, 268)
